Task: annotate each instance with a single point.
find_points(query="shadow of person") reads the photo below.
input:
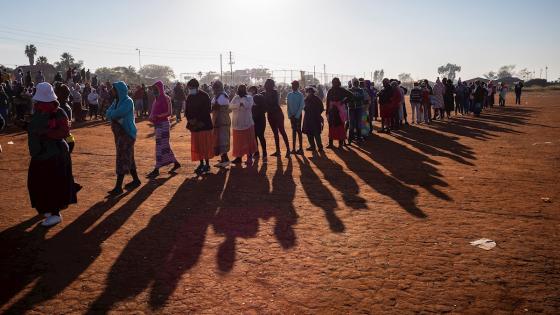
(341, 181)
(434, 143)
(406, 165)
(319, 195)
(281, 204)
(384, 184)
(169, 245)
(70, 252)
(244, 201)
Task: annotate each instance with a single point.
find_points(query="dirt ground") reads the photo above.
(380, 228)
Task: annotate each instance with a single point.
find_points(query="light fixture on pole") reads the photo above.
(139, 64)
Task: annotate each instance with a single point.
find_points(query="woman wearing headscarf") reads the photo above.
(244, 142)
(121, 116)
(50, 181)
(312, 120)
(439, 90)
(222, 123)
(159, 116)
(337, 113)
(275, 116)
(197, 111)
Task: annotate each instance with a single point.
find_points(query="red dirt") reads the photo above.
(384, 228)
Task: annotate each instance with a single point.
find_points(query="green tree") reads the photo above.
(42, 60)
(30, 52)
(506, 71)
(449, 71)
(158, 72)
(67, 61)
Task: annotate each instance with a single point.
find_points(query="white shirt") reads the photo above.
(242, 116)
(93, 98)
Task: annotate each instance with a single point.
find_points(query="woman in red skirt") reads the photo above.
(244, 142)
(199, 122)
(337, 113)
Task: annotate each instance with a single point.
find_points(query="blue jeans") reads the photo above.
(355, 119)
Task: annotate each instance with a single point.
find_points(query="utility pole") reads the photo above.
(139, 63)
(546, 73)
(324, 74)
(231, 67)
(221, 71)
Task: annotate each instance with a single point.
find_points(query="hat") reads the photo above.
(44, 93)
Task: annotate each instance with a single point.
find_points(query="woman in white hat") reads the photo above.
(50, 182)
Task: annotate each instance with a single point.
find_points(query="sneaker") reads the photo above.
(52, 220)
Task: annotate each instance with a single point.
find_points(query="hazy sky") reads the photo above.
(350, 36)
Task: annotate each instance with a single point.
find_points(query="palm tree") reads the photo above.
(42, 60)
(30, 52)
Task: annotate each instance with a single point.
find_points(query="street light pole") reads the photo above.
(139, 64)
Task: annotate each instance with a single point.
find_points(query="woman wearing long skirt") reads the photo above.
(337, 112)
(199, 122)
(438, 102)
(244, 142)
(50, 181)
(312, 120)
(159, 116)
(222, 123)
(121, 116)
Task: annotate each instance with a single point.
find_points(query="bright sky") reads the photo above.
(350, 36)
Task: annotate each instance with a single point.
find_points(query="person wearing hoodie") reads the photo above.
(50, 181)
(121, 116)
(439, 90)
(159, 116)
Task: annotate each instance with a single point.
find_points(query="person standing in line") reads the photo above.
(121, 116)
(438, 91)
(77, 103)
(179, 97)
(448, 96)
(503, 93)
(275, 116)
(259, 119)
(337, 112)
(50, 181)
(296, 103)
(416, 103)
(221, 122)
(199, 122)
(313, 121)
(426, 104)
(355, 108)
(460, 98)
(518, 91)
(159, 116)
(373, 106)
(139, 100)
(480, 94)
(93, 102)
(244, 140)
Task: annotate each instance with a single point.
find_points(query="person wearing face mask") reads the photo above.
(159, 116)
(222, 123)
(121, 116)
(199, 122)
(244, 142)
